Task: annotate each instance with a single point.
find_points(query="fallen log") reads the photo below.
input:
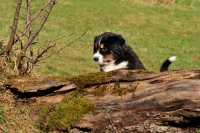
(128, 101)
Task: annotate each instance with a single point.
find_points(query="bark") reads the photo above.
(132, 101)
(14, 29)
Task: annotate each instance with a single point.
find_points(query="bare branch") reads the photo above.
(43, 52)
(40, 26)
(71, 42)
(36, 15)
(39, 55)
(38, 58)
(53, 39)
(28, 19)
(32, 62)
(32, 37)
(18, 39)
(14, 28)
(24, 63)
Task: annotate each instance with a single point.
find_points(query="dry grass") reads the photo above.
(5, 68)
(14, 118)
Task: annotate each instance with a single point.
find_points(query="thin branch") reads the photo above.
(43, 52)
(56, 52)
(40, 26)
(71, 42)
(18, 39)
(36, 15)
(32, 37)
(39, 55)
(28, 19)
(53, 39)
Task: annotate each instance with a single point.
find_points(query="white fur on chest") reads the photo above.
(112, 66)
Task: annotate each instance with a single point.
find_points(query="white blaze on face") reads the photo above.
(100, 58)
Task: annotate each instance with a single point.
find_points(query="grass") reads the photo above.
(155, 32)
(14, 118)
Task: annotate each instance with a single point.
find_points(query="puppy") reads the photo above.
(112, 53)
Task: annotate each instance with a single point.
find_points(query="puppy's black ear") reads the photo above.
(117, 44)
(117, 39)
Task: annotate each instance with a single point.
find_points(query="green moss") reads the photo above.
(90, 79)
(66, 113)
(19, 81)
(22, 82)
(132, 88)
(140, 71)
(119, 90)
(129, 73)
(122, 91)
(99, 90)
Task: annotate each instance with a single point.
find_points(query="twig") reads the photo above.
(71, 42)
(40, 26)
(30, 20)
(48, 47)
(56, 52)
(32, 37)
(18, 39)
(43, 52)
(53, 39)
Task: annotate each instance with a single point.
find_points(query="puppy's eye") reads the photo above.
(104, 49)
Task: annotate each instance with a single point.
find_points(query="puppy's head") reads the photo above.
(108, 47)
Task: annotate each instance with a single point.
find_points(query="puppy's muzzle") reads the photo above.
(96, 58)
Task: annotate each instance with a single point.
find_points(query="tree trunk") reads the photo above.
(131, 101)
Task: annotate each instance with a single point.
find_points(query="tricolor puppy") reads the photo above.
(112, 53)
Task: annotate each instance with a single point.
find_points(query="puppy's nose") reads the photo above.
(96, 58)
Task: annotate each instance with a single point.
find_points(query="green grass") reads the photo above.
(155, 32)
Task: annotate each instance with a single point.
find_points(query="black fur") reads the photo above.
(165, 65)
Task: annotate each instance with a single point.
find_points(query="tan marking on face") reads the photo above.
(101, 45)
(109, 57)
